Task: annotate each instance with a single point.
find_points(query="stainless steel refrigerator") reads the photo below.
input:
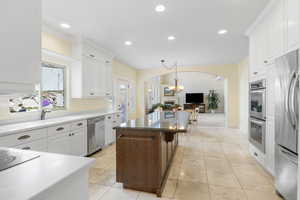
(286, 124)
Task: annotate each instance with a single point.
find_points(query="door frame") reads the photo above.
(131, 83)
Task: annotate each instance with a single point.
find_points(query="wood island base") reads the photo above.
(144, 158)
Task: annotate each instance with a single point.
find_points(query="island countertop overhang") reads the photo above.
(166, 121)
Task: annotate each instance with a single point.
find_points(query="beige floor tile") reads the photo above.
(96, 191)
(192, 191)
(120, 194)
(174, 171)
(193, 163)
(217, 164)
(192, 173)
(149, 196)
(261, 195)
(250, 177)
(102, 177)
(219, 178)
(95, 174)
(170, 188)
(225, 193)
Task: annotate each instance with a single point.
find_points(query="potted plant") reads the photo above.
(213, 101)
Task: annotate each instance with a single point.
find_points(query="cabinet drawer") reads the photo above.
(258, 155)
(78, 125)
(38, 145)
(22, 138)
(57, 130)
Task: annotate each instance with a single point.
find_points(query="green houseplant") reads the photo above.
(213, 101)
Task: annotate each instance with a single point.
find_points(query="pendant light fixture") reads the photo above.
(176, 87)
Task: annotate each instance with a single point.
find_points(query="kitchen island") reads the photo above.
(47, 177)
(145, 149)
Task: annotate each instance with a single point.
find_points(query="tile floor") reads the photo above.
(211, 163)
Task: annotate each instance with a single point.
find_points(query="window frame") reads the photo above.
(55, 66)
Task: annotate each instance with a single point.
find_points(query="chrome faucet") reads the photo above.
(43, 114)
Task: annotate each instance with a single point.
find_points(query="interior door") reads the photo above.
(122, 98)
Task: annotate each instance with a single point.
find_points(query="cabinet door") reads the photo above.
(277, 27)
(293, 19)
(89, 77)
(253, 70)
(101, 77)
(59, 144)
(108, 78)
(78, 143)
(108, 129)
(20, 42)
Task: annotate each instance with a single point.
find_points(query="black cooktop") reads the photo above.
(10, 157)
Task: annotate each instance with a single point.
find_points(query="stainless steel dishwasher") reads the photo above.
(96, 134)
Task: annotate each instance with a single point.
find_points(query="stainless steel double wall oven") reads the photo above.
(257, 110)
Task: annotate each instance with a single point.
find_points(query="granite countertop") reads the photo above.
(38, 124)
(160, 121)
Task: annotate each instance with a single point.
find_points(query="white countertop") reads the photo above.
(31, 125)
(31, 178)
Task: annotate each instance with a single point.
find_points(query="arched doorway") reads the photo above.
(156, 91)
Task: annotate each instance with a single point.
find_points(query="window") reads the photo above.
(53, 87)
(50, 95)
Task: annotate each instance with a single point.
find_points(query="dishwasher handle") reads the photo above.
(95, 120)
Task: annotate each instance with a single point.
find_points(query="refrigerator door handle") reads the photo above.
(288, 101)
(293, 111)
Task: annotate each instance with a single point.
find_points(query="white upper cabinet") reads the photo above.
(91, 75)
(293, 23)
(276, 32)
(277, 29)
(20, 39)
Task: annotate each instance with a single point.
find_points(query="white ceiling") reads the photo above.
(195, 24)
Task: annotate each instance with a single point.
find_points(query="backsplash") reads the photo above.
(79, 105)
(75, 105)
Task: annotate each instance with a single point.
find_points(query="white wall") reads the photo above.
(244, 95)
(197, 82)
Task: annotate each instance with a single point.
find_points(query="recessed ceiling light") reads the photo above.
(128, 43)
(160, 8)
(222, 32)
(171, 37)
(65, 25)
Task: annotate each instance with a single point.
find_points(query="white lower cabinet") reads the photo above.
(69, 138)
(108, 129)
(78, 143)
(59, 144)
(72, 142)
(39, 145)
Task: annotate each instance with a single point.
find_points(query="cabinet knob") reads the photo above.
(255, 73)
(92, 94)
(265, 61)
(26, 148)
(79, 124)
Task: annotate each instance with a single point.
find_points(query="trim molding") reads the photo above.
(260, 17)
